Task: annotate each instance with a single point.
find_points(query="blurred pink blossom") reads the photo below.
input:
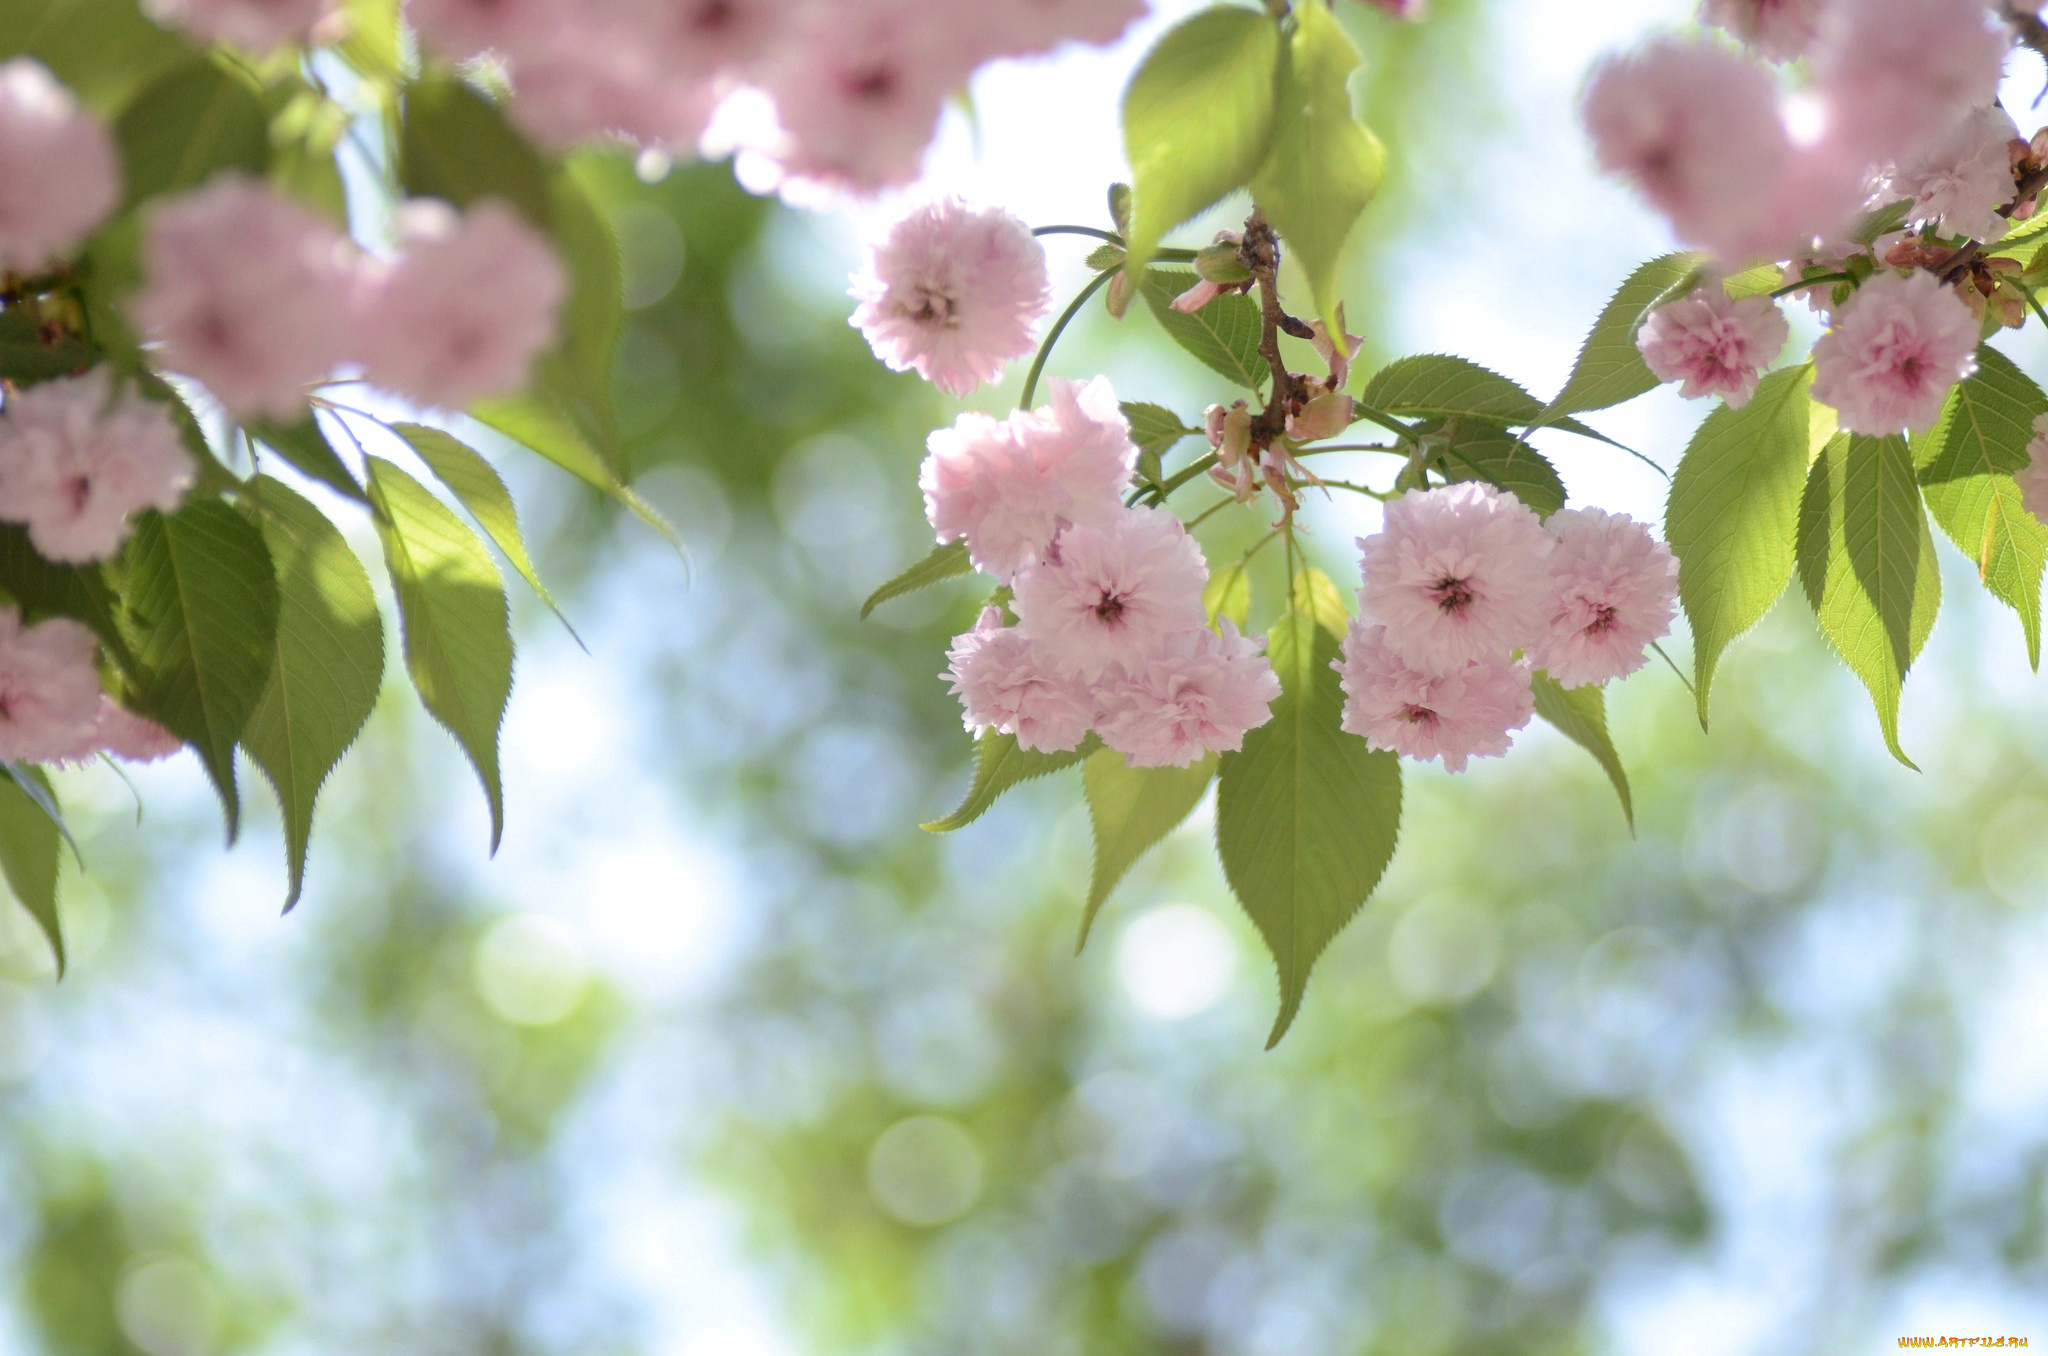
(258, 25)
(1781, 30)
(76, 460)
(1897, 74)
(2033, 477)
(59, 173)
(49, 690)
(1961, 179)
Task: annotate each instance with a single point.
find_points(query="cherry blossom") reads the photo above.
(1456, 574)
(1897, 348)
(1025, 27)
(1470, 710)
(60, 175)
(1961, 180)
(996, 673)
(952, 292)
(1198, 296)
(258, 25)
(465, 310)
(49, 691)
(1782, 30)
(248, 293)
(1007, 487)
(1713, 343)
(1613, 591)
(122, 733)
(76, 460)
(1197, 695)
(2033, 477)
(592, 82)
(460, 29)
(1230, 433)
(1326, 416)
(1112, 594)
(1898, 73)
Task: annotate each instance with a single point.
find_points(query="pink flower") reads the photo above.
(1112, 594)
(460, 29)
(592, 83)
(1897, 347)
(1197, 695)
(1613, 591)
(1898, 73)
(1457, 574)
(997, 676)
(59, 173)
(1008, 487)
(1962, 179)
(952, 292)
(1026, 27)
(1412, 10)
(1198, 296)
(1326, 416)
(76, 460)
(49, 691)
(1714, 344)
(258, 25)
(463, 313)
(1470, 710)
(2033, 477)
(1781, 30)
(1696, 129)
(1337, 360)
(248, 292)
(118, 731)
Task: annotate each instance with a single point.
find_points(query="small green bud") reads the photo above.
(1105, 257)
(1218, 263)
(1118, 298)
(1120, 208)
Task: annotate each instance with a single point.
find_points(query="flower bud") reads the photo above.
(1196, 297)
(1237, 435)
(1118, 298)
(1218, 263)
(1324, 417)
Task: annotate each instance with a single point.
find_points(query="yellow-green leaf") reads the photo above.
(1130, 810)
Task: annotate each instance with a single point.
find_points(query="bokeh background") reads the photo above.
(721, 1056)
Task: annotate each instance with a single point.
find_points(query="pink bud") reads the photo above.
(1324, 417)
(1196, 297)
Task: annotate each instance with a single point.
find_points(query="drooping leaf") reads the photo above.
(945, 562)
(1610, 368)
(36, 785)
(1324, 165)
(477, 485)
(43, 589)
(1228, 594)
(455, 145)
(306, 450)
(1198, 119)
(1580, 714)
(1733, 515)
(1131, 809)
(1966, 466)
(1000, 764)
(1316, 596)
(1156, 430)
(190, 124)
(201, 617)
(451, 601)
(534, 423)
(577, 374)
(1866, 559)
(1440, 386)
(30, 846)
(1480, 451)
(102, 50)
(326, 665)
(1306, 816)
(1224, 334)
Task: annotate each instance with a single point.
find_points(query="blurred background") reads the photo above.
(721, 1056)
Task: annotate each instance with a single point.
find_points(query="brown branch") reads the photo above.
(1260, 252)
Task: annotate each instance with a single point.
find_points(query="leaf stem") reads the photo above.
(1674, 667)
(1176, 480)
(1383, 419)
(1349, 447)
(1382, 495)
(1111, 236)
(2031, 301)
(1052, 336)
(1206, 514)
(1806, 284)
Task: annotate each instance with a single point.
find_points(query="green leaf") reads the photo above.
(451, 601)
(1440, 386)
(1867, 561)
(201, 616)
(1610, 369)
(1315, 596)
(577, 374)
(1224, 334)
(1759, 281)
(30, 845)
(1306, 816)
(454, 144)
(43, 589)
(480, 489)
(1198, 119)
(28, 354)
(536, 424)
(373, 45)
(1156, 430)
(306, 450)
(327, 663)
(1228, 594)
(305, 129)
(1324, 166)
(1580, 713)
(1488, 452)
(1000, 764)
(103, 50)
(1967, 463)
(1131, 809)
(945, 562)
(1733, 515)
(190, 124)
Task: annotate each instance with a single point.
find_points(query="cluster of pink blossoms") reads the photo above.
(1110, 631)
(1466, 591)
(1900, 109)
(76, 459)
(52, 708)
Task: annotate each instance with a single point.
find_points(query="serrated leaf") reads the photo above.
(1324, 166)
(451, 601)
(1105, 257)
(30, 845)
(1131, 809)
(1198, 119)
(455, 145)
(1156, 429)
(190, 124)
(200, 613)
(1228, 594)
(1580, 714)
(1866, 559)
(536, 424)
(1966, 466)
(1733, 515)
(946, 562)
(1306, 816)
(476, 484)
(1316, 596)
(999, 764)
(43, 589)
(1761, 280)
(1610, 369)
(306, 450)
(102, 50)
(1224, 334)
(1437, 385)
(1480, 451)
(327, 663)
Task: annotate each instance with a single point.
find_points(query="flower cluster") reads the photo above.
(52, 708)
(76, 459)
(258, 297)
(1465, 591)
(853, 88)
(60, 175)
(1110, 630)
